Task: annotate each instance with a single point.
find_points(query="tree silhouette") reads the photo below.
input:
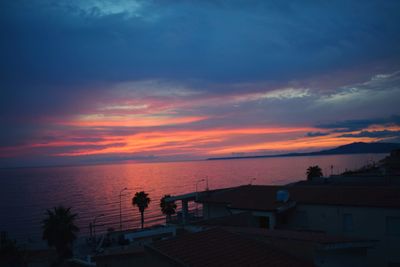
(167, 208)
(60, 231)
(141, 200)
(314, 172)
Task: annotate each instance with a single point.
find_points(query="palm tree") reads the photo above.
(141, 200)
(60, 231)
(314, 172)
(167, 208)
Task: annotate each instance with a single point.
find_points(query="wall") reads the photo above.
(343, 258)
(321, 258)
(215, 210)
(369, 223)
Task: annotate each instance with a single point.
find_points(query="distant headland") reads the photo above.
(353, 148)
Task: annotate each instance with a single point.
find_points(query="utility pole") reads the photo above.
(120, 208)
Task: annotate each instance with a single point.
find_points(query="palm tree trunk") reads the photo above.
(142, 217)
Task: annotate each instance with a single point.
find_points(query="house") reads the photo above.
(371, 213)
(320, 248)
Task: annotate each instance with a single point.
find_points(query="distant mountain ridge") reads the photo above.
(353, 148)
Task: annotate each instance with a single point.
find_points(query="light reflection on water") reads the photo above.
(94, 190)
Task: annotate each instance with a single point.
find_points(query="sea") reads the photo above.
(93, 191)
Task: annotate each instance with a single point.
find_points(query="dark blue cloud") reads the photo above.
(374, 134)
(215, 41)
(354, 125)
(316, 134)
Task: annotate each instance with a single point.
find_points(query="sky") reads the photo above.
(101, 80)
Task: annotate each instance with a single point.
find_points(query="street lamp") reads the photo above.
(120, 208)
(197, 182)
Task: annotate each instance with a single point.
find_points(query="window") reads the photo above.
(348, 222)
(392, 225)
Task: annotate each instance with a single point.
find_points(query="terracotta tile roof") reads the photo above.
(306, 236)
(217, 247)
(260, 197)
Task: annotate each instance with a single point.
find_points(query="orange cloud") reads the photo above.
(183, 139)
(99, 120)
(204, 142)
(303, 143)
(382, 128)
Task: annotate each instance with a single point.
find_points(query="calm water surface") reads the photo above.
(94, 190)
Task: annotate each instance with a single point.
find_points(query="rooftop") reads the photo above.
(305, 236)
(263, 197)
(218, 247)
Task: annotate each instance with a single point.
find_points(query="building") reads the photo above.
(370, 213)
(318, 247)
